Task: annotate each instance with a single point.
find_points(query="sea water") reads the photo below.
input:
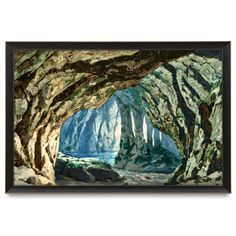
(108, 157)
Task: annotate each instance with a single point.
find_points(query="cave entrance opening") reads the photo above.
(93, 133)
(121, 134)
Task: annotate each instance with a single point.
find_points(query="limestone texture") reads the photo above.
(181, 92)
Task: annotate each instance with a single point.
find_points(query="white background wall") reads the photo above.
(115, 214)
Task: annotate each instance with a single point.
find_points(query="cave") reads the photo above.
(179, 93)
(93, 133)
(121, 134)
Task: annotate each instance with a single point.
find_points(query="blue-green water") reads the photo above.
(108, 157)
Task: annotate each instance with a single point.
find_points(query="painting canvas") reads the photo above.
(112, 117)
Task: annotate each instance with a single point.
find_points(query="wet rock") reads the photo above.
(85, 169)
(104, 174)
(78, 173)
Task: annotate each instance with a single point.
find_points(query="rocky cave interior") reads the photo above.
(141, 111)
(103, 134)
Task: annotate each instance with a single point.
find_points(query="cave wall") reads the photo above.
(50, 86)
(183, 98)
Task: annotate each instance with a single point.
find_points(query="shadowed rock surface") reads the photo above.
(85, 170)
(183, 98)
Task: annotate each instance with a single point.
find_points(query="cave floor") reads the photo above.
(129, 178)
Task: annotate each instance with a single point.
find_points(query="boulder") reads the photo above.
(26, 176)
(85, 169)
(101, 174)
(79, 174)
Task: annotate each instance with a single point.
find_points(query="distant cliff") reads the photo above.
(120, 126)
(92, 131)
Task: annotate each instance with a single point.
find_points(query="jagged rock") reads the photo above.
(182, 98)
(92, 131)
(56, 84)
(142, 147)
(213, 179)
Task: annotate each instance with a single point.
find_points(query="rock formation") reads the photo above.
(182, 99)
(92, 131)
(142, 147)
(98, 132)
(85, 170)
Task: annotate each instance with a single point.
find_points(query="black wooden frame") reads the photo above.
(225, 46)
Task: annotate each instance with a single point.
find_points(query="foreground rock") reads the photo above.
(85, 170)
(24, 176)
(214, 179)
(104, 174)
(129, 178)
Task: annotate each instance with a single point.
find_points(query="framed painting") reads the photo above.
(118, 116)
